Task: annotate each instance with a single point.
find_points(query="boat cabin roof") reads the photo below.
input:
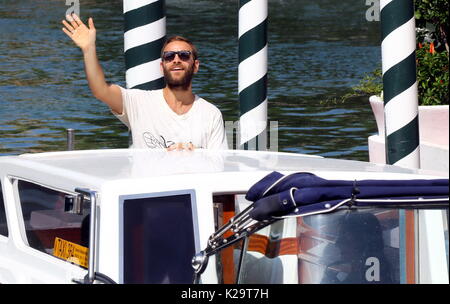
(95, 167)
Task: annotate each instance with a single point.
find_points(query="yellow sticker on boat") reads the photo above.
(71, 252)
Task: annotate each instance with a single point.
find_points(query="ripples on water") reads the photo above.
(317, 50)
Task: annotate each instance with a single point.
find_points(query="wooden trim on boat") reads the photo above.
(410, 247)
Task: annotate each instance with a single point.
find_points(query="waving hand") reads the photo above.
(83, 36)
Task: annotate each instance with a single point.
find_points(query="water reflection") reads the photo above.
(317, 50)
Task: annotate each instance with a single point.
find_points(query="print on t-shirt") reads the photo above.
(153, 142)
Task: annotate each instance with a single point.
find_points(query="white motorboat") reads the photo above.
(140, 216)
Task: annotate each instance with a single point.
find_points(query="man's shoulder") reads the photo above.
(140, 95)
(207, 106)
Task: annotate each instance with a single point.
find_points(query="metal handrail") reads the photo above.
(92, 232)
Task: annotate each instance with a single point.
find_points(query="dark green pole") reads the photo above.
(400, 83)
(253, 74)
(144, 35)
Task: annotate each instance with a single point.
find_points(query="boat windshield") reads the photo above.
(350, 246)
(354, 247)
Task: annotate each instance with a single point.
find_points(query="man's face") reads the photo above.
(178, 72)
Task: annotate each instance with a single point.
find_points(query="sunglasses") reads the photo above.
(170, 55)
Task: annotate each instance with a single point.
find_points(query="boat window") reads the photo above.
(357, 247)
(266, 253)
(3, 223)
(157, 239)
(49, 228)
(362, 246)
(227, 260)
(271, 254)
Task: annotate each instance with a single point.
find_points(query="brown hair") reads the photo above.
(180, 38)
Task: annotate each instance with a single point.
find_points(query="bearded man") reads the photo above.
(174, 117)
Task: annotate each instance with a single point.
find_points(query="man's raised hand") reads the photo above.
(83, 36)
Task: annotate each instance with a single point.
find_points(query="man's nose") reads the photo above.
(177, 58)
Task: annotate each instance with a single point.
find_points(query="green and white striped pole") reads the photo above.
(144, 34)
(253, 73)
(398, 50)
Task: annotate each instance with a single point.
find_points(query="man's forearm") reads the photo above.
(94, 73)
(109, 94)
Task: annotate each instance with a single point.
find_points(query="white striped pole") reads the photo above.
(253, 73)
(144, 34)
(398, 50)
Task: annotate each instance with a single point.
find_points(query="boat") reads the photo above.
(217, 217)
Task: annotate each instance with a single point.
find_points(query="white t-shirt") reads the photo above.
(155, 125)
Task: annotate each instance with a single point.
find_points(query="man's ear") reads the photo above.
(196, 65)
(161, 67)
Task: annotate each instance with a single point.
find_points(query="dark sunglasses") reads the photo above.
(183, 55)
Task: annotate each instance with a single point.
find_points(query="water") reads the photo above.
(318, 49)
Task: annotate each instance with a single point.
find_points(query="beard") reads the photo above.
(182, 83)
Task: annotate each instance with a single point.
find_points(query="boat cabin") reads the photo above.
(140, 216)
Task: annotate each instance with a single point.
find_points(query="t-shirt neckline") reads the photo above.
(173, 113)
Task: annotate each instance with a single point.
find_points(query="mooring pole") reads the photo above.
(144, 35)
(252, 72)
(70, 139)
(398, 50)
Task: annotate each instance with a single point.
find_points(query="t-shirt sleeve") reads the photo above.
(218, 138)
(125, 103)
(130, 97)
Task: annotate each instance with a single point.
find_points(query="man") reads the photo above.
(173, 118)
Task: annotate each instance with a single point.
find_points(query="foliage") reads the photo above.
(432, 21)
(432, 54)
(432, 76)
(371, 84)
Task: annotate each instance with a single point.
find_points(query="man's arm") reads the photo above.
(84, 38)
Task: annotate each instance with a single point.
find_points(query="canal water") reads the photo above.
(318, 49)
